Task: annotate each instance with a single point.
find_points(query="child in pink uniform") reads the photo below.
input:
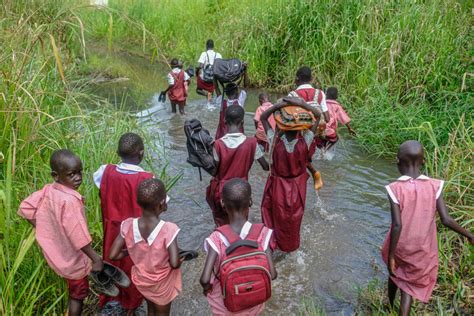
(236, 197)
(411, 253)
(152, 245)
(260, 135)
(57, 213)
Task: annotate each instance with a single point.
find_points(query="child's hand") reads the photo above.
(392, 265)
(352, 132)
(471, 240)
(207, 290)
(97, 265)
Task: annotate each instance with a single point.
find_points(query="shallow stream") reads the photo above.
(343, 226)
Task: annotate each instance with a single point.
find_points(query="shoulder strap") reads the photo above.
(207, 58)
(228, 233)
(319, 96)
(255, 231)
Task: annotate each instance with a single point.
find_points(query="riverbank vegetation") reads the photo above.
(403, 70)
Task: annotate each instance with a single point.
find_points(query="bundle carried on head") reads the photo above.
(294, 118)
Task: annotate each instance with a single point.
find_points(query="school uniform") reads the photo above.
(284, 196)
(178, 79)
(61, 232)
(416, 254)
(152, 273)
(235, 154)
(222, 127)
(337, 115)
(206, 58)
(118, 200)
(219, 244)
(262, 139)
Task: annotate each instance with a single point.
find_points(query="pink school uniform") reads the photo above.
(260, 132)
(219, 244)
(337, 115)
(61, 229)
(416, 254)
(152, 273)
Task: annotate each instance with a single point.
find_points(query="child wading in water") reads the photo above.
(265, 104)
(284, 195)
(57, 213)
(411, 252)
(234, 155)
(178, 80)
(337, 115)
(118, 200)
(152, 245)
(316, 98)
(236, 197)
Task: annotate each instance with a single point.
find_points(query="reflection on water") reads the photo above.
(342, 230)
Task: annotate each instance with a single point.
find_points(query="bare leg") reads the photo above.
(318, 181)
(173, 107)
(181, 108)
(392, 291)
(209, 97)
(151, 308)
(405, 304)
(163, 310)
(74, 307)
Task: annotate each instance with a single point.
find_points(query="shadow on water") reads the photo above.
(343, 225)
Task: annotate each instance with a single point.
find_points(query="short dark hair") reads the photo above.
(59, 157)
(234, 114)
(231, 89)
(331, 93)
(130, 145)
(150, 193)
(303, 74)
(210, 44)
(236, 194)
(263, 96)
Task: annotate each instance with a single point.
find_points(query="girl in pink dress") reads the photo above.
(237, 200)
(153, 248)
(411, 253)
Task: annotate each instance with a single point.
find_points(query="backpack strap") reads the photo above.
(319, 97)
(235, 241)
(255, 231)
(228, 233)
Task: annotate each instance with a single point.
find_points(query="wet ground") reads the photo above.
(343, 226)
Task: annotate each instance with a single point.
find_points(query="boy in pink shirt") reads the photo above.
(411, 253)
(260, 131)
(151, 244)
(57, 213)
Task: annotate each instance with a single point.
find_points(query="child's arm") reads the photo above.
(206, 273)
(263, 163)
(394, 235)
(256, 124)
(116, 251)
(449, 222)
(273, 271)
(97, 263)
(351, 131)
(173, 251)
(217, 88)
(266, 114)
(246, 76)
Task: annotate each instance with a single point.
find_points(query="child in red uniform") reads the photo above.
(152, 245)
(57, 213)
(284, 195)
(314, 97)
(337, 115)
(177, 89)
(411, 253)
(207, 58)
(234, 97)
(234, 155)
(118, 200)
(265, 104)
(237, 199)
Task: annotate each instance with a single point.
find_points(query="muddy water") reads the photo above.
(342, 230)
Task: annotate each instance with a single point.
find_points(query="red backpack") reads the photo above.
(244, 272)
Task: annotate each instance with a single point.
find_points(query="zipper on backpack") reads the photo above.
(241, 269)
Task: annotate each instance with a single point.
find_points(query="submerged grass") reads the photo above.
(43, 107)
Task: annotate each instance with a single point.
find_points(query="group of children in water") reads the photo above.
(137, 243)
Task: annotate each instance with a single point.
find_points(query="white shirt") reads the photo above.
(323, 104)
(176, 71)
(241, 100)
(234, 140)
(122, 167)
(208, 57)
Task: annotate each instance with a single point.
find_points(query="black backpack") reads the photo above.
(228, 70)
(199, 144)
(208, 71)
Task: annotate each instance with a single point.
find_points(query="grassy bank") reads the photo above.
(43, 107)
(403, 68)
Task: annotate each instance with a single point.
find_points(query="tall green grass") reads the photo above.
(403, 69)
(43, 107)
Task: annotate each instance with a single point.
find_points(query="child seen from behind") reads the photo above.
(410, 249)
(178, 81)
(265, 104)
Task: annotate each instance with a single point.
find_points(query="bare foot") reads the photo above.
(318, 181)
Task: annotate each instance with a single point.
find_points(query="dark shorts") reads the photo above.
(78, 289)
